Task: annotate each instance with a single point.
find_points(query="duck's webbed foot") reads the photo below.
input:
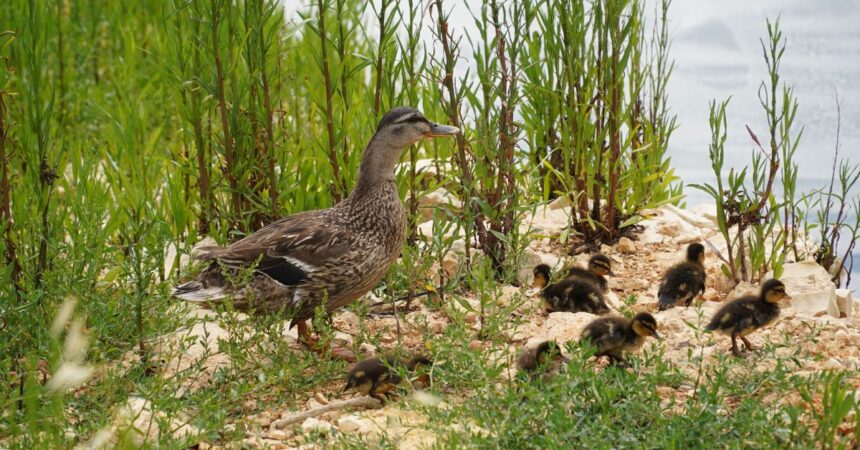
(336, 351)
(735, 350)
(747, 344)
(618, 361)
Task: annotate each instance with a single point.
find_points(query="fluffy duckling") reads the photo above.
(546, 355)
(684, 281)
(599, 266)
(571, 294)
(612, 336)
(377, 377)
(744, 315)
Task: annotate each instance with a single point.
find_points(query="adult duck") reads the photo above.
(328, 257)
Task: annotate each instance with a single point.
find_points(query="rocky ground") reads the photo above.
(639, 264)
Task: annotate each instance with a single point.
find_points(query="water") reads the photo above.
(717, 54)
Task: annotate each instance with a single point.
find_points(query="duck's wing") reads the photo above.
(288, 250)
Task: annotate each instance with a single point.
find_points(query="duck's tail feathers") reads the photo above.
(193, 291)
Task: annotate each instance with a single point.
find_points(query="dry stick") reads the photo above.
(358, 402)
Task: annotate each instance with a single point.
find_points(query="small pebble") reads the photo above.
(278, 435)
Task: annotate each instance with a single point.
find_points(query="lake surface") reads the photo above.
(718, 55)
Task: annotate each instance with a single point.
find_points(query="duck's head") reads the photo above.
(645, 325)
(404, 126)
(600, 264)
(541, 276)
(547, 352)
(696, 253)
(398, 129)
(772, 291)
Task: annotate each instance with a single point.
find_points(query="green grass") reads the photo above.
(128, 130)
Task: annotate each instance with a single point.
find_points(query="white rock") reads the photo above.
(278, 435)
(707, 211)
(832, 364)
(351, 423)
(691, 218)
(741, 289)
(429, 203)
(547, 221)
(845, 302)
(137, 417)
(810, 288)
(565, 326)
(560, 202)
(311, 425)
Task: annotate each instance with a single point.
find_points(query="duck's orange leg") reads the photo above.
(337, 351)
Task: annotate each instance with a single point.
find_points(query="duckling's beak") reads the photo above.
(437, 130)
(657, 335)
(786, 296)
(610, 273)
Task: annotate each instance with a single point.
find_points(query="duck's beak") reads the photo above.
(786, 296)
(657, 336)
(437, 130)
(610, 273)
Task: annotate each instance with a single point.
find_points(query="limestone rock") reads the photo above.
(352, 424)
(427, 204)
(810, 288)
(311, 425)
(741, 289)
(565, 326)
(560, 202)
(691, 218)
(138, 417)
(626, 246)
(547, 221)
(845, 302)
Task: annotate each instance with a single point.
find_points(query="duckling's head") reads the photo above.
(419, 365)
(773, 291)
(696, 253)
(645, 325)
(404, 126)
(541, 275)
(547, 352)
(599, 264)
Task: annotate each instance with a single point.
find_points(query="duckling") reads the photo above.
(329, 257)
(546, 355)
(598, 267)
(684, 281)
(744, 315)
(377, 377)
(571, 294)
(614, 335)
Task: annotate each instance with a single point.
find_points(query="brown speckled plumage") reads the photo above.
(333, 255)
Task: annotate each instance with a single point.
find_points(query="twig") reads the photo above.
(717, 252)
(358, 402)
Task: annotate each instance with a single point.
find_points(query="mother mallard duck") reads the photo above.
(332, 256)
